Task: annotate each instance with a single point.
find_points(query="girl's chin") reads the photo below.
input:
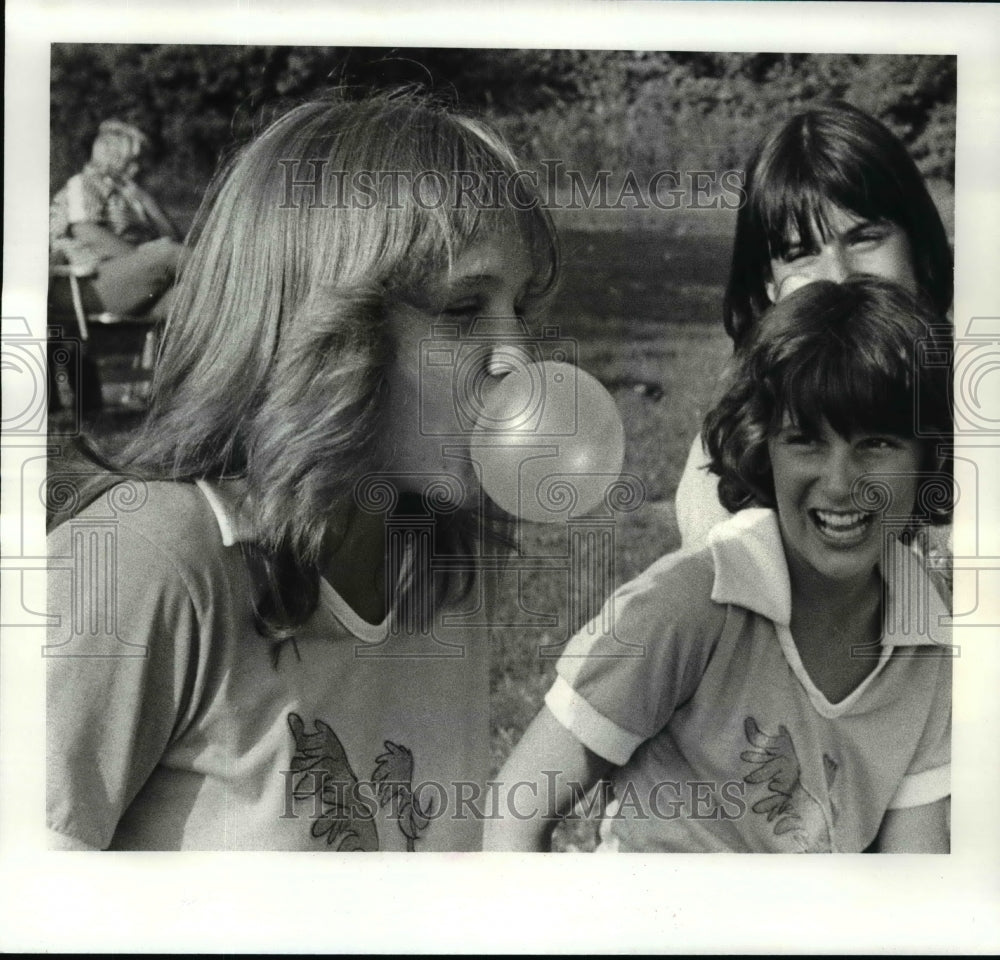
(443, 491)
(839, 555)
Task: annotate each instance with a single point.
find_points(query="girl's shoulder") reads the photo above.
(678, 586)
(694, 566)
(172, 519)
(742, 565)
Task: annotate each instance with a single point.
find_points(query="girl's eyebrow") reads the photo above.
(792, 241)
(475, 281)
(471, 280)
(445, 287)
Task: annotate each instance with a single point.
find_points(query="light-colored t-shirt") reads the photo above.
(173, 724)
(721, 739)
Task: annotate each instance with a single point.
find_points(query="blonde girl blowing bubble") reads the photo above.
(287, 650)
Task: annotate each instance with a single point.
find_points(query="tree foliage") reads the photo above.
(593, 109)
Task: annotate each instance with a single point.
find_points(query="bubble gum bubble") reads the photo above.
(548, 442)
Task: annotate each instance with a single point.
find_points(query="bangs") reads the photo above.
(479, 193)
(853, 390)
(405, 187)
(491, 195)
(533, 227)
(793, 199)
(440, 243)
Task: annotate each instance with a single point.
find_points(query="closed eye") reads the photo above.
(868, 234)
(881, 443)
(463, 308)
(798, 439)
(797, 252)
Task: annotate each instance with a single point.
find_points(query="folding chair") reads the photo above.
(117, 352)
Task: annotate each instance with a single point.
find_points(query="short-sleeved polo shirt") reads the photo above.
(722, 741)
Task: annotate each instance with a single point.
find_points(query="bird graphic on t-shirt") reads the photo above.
(393, 776)
(343, 816)
(792, 809)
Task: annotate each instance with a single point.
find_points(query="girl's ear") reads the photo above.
(769, 289)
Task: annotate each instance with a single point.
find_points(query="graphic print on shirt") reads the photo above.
(792, 809)
(344, 811)
(394, 777)
(342, 814)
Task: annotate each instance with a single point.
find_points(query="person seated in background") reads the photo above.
(113, 232)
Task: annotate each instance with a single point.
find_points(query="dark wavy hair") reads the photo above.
(830, 154)
(863, 356)
(274, 360)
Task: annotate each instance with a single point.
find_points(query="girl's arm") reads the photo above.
(120, 668)
(166, 227)
(548, 771)
(922, 829)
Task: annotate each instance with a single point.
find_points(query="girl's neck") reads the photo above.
(831, 624)
(355, 566)
(819, 594)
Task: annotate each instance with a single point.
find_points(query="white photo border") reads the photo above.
(477, 903)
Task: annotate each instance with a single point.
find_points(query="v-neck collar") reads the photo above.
(751, 571)
(227, 500)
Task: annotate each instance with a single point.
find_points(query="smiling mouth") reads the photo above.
(845, 527)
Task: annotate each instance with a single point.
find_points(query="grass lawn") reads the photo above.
(645, 311)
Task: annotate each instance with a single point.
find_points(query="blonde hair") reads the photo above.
(275, 354)
(116, 145)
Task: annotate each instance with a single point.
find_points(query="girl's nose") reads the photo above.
(792, 283)
(507, 358)
(840, 473)
(833, 264)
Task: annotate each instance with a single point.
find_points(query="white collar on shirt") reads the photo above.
(226, 498)
(751, 572)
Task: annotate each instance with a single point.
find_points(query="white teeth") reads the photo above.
(840, 519)
(842, 526)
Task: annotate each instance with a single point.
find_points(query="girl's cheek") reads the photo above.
(791, 283)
